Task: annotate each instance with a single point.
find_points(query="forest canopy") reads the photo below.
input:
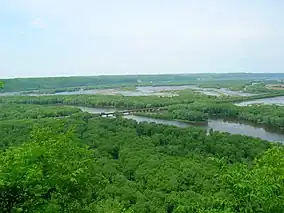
(83, 163)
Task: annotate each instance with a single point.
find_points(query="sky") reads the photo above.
(95, 37)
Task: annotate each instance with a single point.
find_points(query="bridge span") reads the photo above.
(131, 111)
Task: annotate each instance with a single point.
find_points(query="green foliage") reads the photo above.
(118, 165)
(15, 132)
(259, 189)
(260, 88)
(185, 112)
(59, 159)
(108, 100)
(47, 174)
(17, 111)
(269, 115)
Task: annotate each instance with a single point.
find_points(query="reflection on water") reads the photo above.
(157, 121)
(276, 100)
(221, 126)
(244, 129)
(232, 127)
(96, 110)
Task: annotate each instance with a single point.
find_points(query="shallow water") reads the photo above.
(276, 100)
(142, 91)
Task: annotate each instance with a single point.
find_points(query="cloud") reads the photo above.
(38, 23)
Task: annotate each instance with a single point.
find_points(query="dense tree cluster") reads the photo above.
(116, 101)
(18, 111)
(259, 88)
(185, 112)
(83, 163)
(181, 112)
(269, 115)
(14, 132)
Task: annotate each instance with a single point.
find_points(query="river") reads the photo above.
(232, 127)
(275, 100)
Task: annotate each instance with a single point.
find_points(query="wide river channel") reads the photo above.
(232, 127)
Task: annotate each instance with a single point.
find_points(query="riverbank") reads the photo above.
(217, 124)
(238, 100)
(160, 116)
(229, 119)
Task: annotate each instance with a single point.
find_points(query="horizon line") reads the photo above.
(143, 74)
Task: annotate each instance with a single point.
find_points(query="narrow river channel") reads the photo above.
(232, 127)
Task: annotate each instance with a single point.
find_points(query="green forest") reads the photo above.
(82, 163)
(56, 158)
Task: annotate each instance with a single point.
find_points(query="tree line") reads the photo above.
(269, 115)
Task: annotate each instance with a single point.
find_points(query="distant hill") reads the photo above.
(28, 84)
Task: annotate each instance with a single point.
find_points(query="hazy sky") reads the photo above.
(91, 37)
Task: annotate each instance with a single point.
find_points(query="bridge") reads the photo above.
(131, 111)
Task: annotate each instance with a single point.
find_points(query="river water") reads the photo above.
(142, 91)
(10, 93)
(276, 100)
(95, 110)
(232, 127)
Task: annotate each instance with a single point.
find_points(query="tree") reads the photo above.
(259, 189)
(50, 173)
